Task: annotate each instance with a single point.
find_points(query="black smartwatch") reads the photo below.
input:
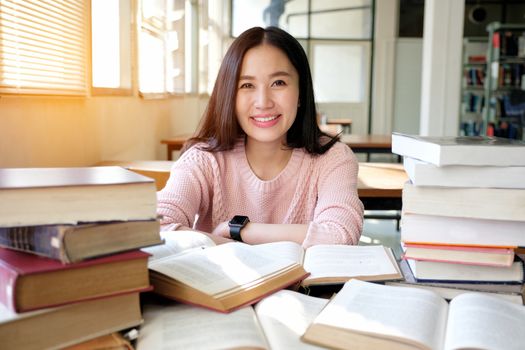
(236, 224)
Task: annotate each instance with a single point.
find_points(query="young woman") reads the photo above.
(259, 168)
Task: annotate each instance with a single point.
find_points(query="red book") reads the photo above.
(489, 256)
(30, 282)
(496, 40)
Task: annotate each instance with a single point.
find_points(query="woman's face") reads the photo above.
(267, 95)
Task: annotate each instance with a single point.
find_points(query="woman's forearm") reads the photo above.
(255, 233)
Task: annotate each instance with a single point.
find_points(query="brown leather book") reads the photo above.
(46, 196)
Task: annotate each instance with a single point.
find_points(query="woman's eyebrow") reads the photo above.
(273, 75)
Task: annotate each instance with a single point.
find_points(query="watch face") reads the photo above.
(239, 220)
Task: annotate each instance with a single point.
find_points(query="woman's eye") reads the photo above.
(279, 83)
(246, 86)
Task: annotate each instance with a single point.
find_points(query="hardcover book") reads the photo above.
(46, 196)
(365, 315)
(427, 174)
(475, 203)
(113, 341)
(55, 328)
(276, 322)
(462, 150)
(32, 282)
(432, 229)
(484, 256)
(448, 272)
(73, 243)
(509, 291)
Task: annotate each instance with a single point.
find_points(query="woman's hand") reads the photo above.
(222, 230)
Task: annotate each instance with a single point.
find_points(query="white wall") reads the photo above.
(407, 86)
(57, 131)
(386, 24)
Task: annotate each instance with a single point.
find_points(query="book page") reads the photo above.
(284, 317)
(220, 268)
(348, 261)
(478, 321)
(283, 250)
(178, 326)
(176, 242)
(408, 314)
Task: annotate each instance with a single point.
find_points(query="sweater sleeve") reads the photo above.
(338, 215)
(187, 191)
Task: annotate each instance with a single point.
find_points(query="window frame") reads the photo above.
(125, 55)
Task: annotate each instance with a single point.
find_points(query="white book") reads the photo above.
(463, 150)
(426, 174)
(508, 291)
(480, 203)
(432, 229)
(365, 315)
(449, 272)
(276, 322)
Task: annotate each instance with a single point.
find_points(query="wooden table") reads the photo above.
(368, 143)
(358, 143)
(346, 123)
(380, 187)
(175, 143)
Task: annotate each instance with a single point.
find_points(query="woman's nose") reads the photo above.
(263, 99)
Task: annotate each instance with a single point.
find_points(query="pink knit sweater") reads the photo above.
(205, 189)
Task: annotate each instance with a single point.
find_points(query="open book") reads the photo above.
(336, 264)
(375, 316)
(276, 322)
(191, 268)
(220, 277)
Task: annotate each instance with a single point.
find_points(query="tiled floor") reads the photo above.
(381, 231)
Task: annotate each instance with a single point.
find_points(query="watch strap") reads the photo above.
(235, 233)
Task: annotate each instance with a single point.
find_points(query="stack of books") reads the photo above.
(463, 213)
(71, 268)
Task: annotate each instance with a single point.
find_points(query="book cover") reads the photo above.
(462, 150)
(32, 282)
(73, 243)
(74, 195)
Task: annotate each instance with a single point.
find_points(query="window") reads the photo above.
(111, 47)
(173, 47)
(161, 47)
(335, 31)
(42, 47)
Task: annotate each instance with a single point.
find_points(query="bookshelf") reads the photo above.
(474, 66)
(504, 112)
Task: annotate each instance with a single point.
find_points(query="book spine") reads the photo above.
(8, 279)
(41, 240)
